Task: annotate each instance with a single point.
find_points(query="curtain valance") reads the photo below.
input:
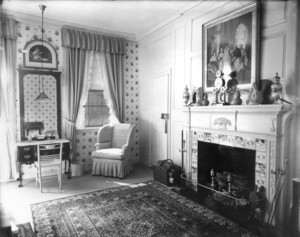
(8, 28)
(77, 38)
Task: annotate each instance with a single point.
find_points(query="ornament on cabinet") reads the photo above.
(253, 95)
(220, 89)
(236, 98)
(231, 86)
(192, 97)
(186, 95)
(199, 97)
(205, 101)
(276, 89)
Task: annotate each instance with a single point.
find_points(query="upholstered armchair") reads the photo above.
(112, 155)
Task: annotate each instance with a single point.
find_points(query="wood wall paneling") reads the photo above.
(176, 128)
(273, 56)
(179, 67)
(144, 142)
(274, 12)
(196, 71)
(196, 34)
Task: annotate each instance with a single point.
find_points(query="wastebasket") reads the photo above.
(77, 169)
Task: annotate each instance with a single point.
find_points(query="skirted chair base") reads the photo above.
(111, 168)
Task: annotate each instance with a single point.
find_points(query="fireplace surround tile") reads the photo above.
(261, 145)
(261, 157)
(231, 140)
(201, 136)
(240, 142)
(207, 137)
(215, 138)
(250, 143)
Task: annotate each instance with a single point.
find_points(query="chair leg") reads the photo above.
(36, 178)
(59, 176)
(40, 179)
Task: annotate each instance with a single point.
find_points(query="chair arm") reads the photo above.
(100, 146)
(124, 148)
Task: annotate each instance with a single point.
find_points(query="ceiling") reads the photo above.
(131, 19)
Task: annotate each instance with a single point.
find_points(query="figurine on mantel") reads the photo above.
(231, 86)
(276, 88)
(232, 83)
(199, 97)
(186, 95)
(236, 99)
(253, 95)
(205, 101)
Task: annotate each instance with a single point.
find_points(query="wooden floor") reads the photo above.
(15, 201)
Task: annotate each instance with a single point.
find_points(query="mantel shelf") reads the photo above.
(273, 109)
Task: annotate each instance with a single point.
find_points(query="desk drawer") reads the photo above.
(66, 151)
(26, 154)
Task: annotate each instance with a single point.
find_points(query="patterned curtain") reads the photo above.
(8, 53)
(77, 43)
(74, 64)
(112, 66)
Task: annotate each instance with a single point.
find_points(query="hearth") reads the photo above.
(225, 168)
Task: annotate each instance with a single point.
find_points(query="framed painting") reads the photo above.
(230, 45)
(39, 54)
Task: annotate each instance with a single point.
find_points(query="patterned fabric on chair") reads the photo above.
(112, 155)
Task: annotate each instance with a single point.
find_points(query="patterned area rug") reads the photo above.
(148, 209)
(24, 230)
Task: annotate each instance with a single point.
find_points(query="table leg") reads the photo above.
(70, 171)
(20, 175)
(66, 167)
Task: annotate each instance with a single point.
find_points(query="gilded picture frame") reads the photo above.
(230, 44)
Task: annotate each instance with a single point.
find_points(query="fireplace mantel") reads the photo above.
(255, 127)
(261, 120)
(274, 108)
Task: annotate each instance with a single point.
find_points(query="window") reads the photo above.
(96, 110)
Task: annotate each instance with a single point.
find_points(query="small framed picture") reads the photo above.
(39, 54)
(230, 45)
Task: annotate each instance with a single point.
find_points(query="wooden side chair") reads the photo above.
(49, 163)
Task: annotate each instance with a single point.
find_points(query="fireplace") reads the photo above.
(253, 134)
(223, 161)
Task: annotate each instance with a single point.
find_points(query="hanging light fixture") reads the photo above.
(42, 97)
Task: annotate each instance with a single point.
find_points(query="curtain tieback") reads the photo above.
(71, 123)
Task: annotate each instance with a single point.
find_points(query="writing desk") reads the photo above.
(27, 154)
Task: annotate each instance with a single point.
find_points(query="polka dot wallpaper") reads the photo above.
(85, 138)
(131, 92)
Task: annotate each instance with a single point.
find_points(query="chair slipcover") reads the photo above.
(112, 155)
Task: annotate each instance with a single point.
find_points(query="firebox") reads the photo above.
(218, 163)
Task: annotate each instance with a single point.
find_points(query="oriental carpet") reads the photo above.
(146, 209)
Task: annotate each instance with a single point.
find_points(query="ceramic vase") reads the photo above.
(186, 95)
(276, 88)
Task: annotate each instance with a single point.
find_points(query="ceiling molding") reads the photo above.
(34, 20)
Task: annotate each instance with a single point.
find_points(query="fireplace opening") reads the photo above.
(226, 161)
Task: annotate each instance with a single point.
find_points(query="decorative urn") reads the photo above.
(276, 88)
